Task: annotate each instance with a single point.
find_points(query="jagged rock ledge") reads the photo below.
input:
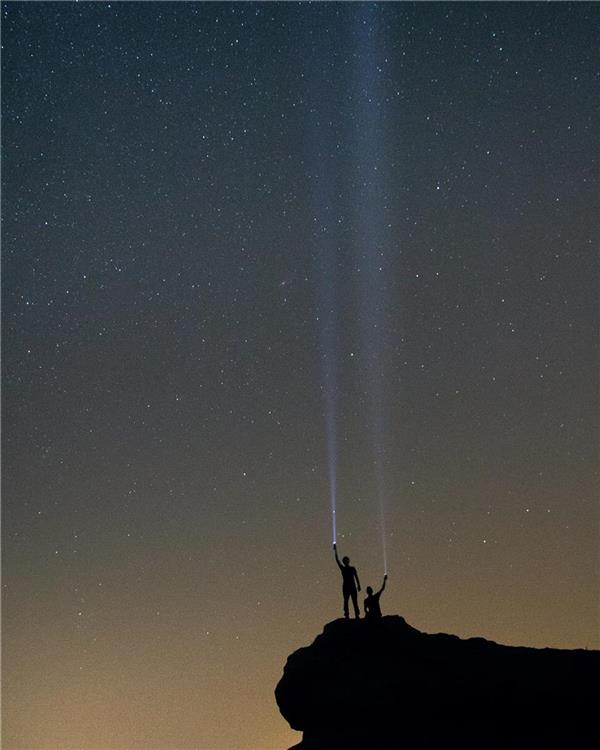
(386, 685)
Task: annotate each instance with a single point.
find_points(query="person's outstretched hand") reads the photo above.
(385, 577)
(334, 545)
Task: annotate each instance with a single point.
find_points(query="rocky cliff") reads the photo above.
(386, 685)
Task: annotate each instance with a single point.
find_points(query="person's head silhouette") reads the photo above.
(369, 590)
(345, 560)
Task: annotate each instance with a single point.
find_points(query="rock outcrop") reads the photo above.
(385, 685)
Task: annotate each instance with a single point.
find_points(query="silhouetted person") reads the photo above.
(372, 608)
(350, 583)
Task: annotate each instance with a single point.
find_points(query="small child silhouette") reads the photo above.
(372, 608)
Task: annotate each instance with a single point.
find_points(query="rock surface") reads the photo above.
(386, 685)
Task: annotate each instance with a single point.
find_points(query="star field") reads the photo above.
(191, 191)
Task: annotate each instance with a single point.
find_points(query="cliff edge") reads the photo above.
(384, 685)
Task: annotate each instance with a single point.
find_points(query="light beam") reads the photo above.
(371, 166)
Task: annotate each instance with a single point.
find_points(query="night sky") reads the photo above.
(251, 246)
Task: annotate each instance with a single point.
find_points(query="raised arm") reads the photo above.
(337, 559)
(383, 585)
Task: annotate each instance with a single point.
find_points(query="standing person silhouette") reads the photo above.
(372, 608)
(350, 583)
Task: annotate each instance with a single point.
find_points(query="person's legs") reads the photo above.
(346, 596)
(355, 603)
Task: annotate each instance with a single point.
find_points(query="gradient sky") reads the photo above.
(224, 222)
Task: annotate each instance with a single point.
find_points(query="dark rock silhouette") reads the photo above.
(383, 685)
